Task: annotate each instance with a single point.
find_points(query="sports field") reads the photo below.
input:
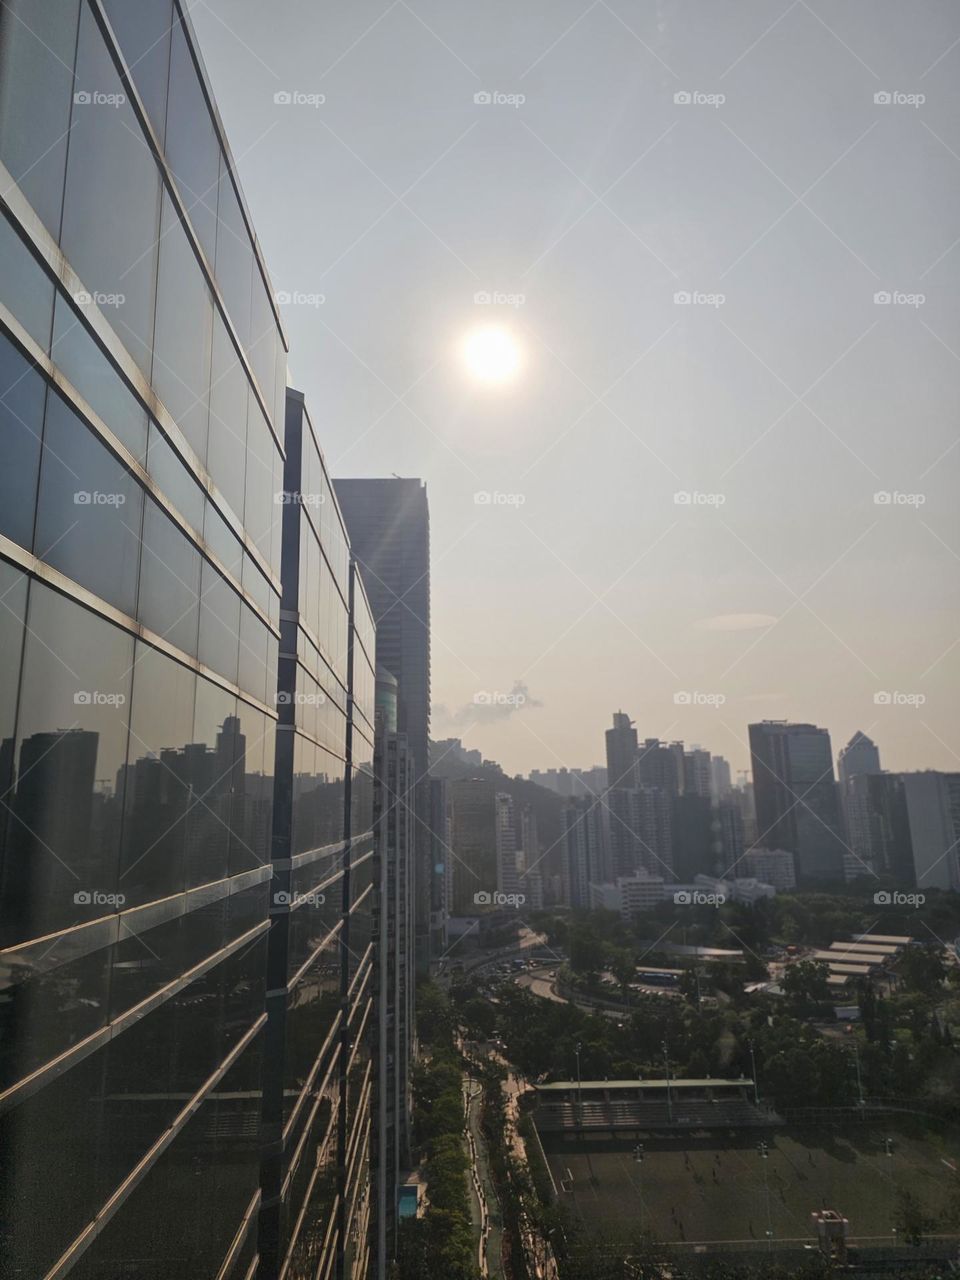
(723, 1191)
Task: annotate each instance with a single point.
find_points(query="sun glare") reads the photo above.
(491, 354)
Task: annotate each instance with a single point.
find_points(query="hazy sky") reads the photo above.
(783, 586)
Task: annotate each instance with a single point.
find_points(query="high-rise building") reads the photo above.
(473, 844)
(583, 855)
(572, 783)
(440, 902)
(506, 832)
(394, 981)
(621, 752)
(318, 1072)
(186, 888)
(720, 777)
(142, 393)
(859, 756)
(933, 813)
(796, 797)
(661, 764)
(692, 839)
(878, 828)
(697, 772)
(388, 522)
(771, 866)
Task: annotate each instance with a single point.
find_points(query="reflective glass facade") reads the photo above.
(318, 1076)
(142, 408)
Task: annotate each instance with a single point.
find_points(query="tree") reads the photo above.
(586, 950)
(922, 969)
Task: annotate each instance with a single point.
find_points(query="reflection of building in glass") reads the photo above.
(143, 859)
(318, 1073)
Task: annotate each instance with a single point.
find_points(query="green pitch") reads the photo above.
(725, 1192)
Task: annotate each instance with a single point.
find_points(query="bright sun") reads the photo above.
(491, 354)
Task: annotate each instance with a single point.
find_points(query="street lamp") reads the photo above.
(856, 1059)
(638, 1157)
(666, 1064)
(579, 1090)
(753, 1063)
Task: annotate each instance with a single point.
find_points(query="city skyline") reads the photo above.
(797, 401)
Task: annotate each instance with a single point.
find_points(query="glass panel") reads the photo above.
(21, 426)
(253, 791)
(227, 440)
(37, 46)
(192, 148)
(13, 592)
(78, 354)
(222, 541)
(112, 204)
(163, 774)
(142, 28)
(219, 745)
(175, 479)
(184, 338)
(234, 258)
(27, 289)
(89, 512)
(186, 1212)
(260, 509)
(219, 623)
(169, 581)
(61, 864)
(263, 339)
(253, 654)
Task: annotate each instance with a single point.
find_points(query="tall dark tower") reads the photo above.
(388, 523)
(796, 797)
(621, 752)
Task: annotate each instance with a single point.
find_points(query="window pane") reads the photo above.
(173, 477)
(192, 148)
(80, 357)
(89, 513)
(219, 623)
(71, 745)
(142, 28)
(181, 365)
(169, 581)
(27, 289)
(37, 44)
(112, 205)
(253, 654)
(21, 426)
(234, 258)
(161, 777)
(227, 440)
(218, 747)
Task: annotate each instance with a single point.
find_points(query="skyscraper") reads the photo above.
(185, 892)
(583, 857)
(507, 876)
(878, 829)
(621, 752)
(388, 521)
(796, 797)
(316, 1097)
(473, 843)
(394, 985)
(859, 756)
(933, 813)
